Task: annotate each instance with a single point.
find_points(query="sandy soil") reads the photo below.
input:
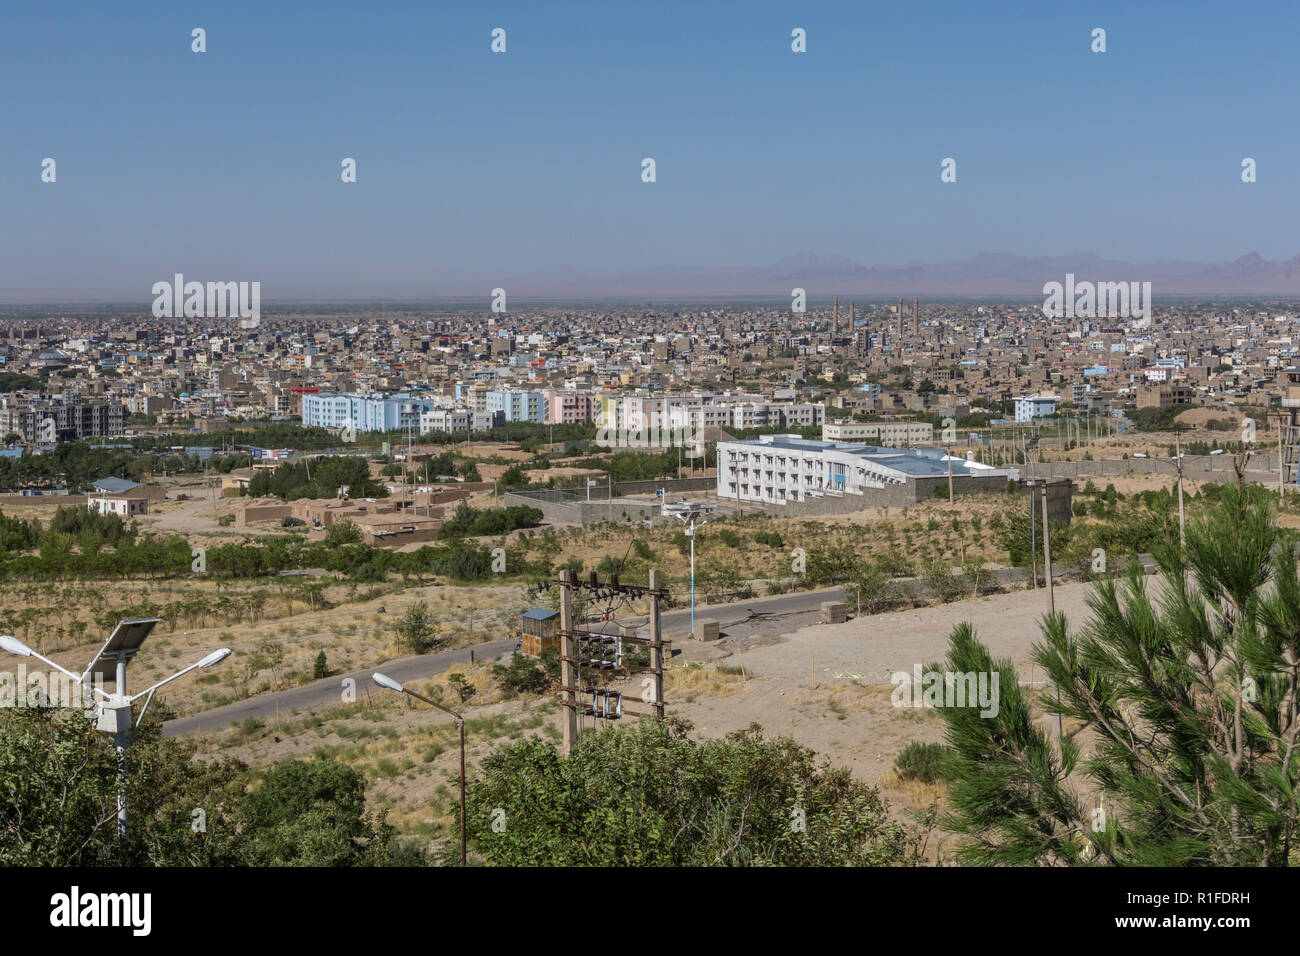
(828, 684)
(824, 685)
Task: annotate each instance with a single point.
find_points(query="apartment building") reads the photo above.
(879, 433)
(1164, 396)
(564, 407)
(43, 420)
(458, 420)
(375, 412)
(1038, 405)
(788, 470)
(517, 406)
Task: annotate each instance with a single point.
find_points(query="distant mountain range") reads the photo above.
(986, 274)
(821, 276)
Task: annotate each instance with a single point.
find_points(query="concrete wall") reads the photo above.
(892, 496)
(672, 486)
(14, 500)
(581, 511)
(1216, 467)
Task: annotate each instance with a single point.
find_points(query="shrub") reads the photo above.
(523, 675)
(415, 629)
(921, 762)
(342, 532)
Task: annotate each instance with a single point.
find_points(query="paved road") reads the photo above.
(328, 692)
(778, 605)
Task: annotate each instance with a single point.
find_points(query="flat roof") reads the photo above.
(913, 462)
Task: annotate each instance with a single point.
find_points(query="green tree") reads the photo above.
(416, 629)
(313, 813)
(1192, 701)
(342, 532)
(649, 795)
(58, 795)
(523, 675)
(872, 587)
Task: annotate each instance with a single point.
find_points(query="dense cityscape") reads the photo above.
(452, 442)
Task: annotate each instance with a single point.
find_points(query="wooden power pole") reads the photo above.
(656, 648)
(568, 665)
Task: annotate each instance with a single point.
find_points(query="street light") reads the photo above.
(1178, 466)
(688, 513)
(114, 711)
(383, 680)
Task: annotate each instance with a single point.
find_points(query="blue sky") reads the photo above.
(225, 165)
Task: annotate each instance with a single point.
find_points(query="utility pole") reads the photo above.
(1033, 530)
(1281, 461)
(582, 648)
(656, 649)
(1051, 598)
(568, 658)
(1182, 521)
(949, 457)
(1047, 554)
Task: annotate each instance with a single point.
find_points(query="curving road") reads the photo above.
(328, 691)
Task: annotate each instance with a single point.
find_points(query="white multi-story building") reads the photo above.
(1030, 407)
(879, 433)
(785, 469)
(459, 420)
(705, 410)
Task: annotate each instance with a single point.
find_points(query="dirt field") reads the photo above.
(824, 685)
(828, 686)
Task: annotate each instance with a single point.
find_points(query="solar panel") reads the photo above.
(125, 639)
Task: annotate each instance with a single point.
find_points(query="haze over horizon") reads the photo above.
(523, 169)
(985, 275)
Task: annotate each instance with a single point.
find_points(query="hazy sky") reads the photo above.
(225, 165)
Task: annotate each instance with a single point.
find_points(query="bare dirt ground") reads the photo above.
(827, 686)
(197, 516)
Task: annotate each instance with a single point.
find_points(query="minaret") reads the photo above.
(835, 317)
(916, 315)
(900, 318)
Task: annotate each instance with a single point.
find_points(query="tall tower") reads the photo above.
(835, 317)
(916, 315)
(900, 317)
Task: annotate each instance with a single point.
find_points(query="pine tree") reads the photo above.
(1181, 714)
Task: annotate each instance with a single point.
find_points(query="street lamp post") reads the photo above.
(383, 680)
(114, 711)
(689, 521)
(1178, 467)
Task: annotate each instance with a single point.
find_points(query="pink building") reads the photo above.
(566, 407)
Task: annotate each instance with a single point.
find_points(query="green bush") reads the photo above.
(523, 675)
(415, 629)
(923, 762)
(647, 794)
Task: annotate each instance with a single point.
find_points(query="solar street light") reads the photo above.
(114, 711)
